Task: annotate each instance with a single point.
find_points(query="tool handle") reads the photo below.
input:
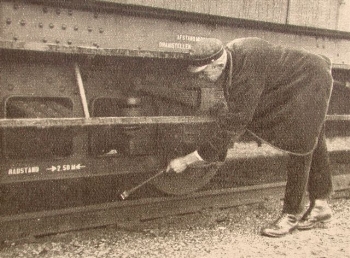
(125, 194)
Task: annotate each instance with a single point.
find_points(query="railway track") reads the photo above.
(218, 194)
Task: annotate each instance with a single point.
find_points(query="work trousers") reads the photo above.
(310, 173)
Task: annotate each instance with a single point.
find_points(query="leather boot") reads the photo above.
(319, 214)
(285, 224)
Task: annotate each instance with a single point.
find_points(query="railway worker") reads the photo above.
(280, 95)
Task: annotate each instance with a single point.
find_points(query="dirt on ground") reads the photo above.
(230, 232)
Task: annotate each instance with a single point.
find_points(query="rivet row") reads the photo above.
(51, 25)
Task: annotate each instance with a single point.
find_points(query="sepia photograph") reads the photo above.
(174, 128)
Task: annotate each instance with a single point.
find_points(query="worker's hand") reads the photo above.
(178, 165)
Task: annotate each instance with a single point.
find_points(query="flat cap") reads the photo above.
(203, 52)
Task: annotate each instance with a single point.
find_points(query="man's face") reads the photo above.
(211, 73)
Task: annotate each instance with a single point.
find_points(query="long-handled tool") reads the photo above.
(126, 193)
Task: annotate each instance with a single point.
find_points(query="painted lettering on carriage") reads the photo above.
(23, 170)
(174, 45)
(66, 167)
(191, 38)
(181, 45)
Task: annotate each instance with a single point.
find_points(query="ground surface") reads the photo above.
(232, 232)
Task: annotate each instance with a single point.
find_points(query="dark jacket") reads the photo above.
(279, 94)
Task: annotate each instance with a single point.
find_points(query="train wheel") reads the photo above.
(190, 180)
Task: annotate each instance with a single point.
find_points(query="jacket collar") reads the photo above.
(227, 74)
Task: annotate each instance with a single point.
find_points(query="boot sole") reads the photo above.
(278, 235)
(318, 224)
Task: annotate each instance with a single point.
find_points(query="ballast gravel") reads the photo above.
(231, 232)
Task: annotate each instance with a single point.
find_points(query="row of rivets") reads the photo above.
(58, 11)
(57, 41)
(51, 26)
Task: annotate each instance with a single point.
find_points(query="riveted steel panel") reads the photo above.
(36, 23)
(316, 13)
(325, 14)
(344, 17)
(261, 10)
(46, 28)
(35, 79)
(268, 11)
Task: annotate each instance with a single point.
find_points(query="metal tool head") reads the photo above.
(124, 195)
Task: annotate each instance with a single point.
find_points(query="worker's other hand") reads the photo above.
(179, 165)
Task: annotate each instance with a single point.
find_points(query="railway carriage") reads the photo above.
(94, 98)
